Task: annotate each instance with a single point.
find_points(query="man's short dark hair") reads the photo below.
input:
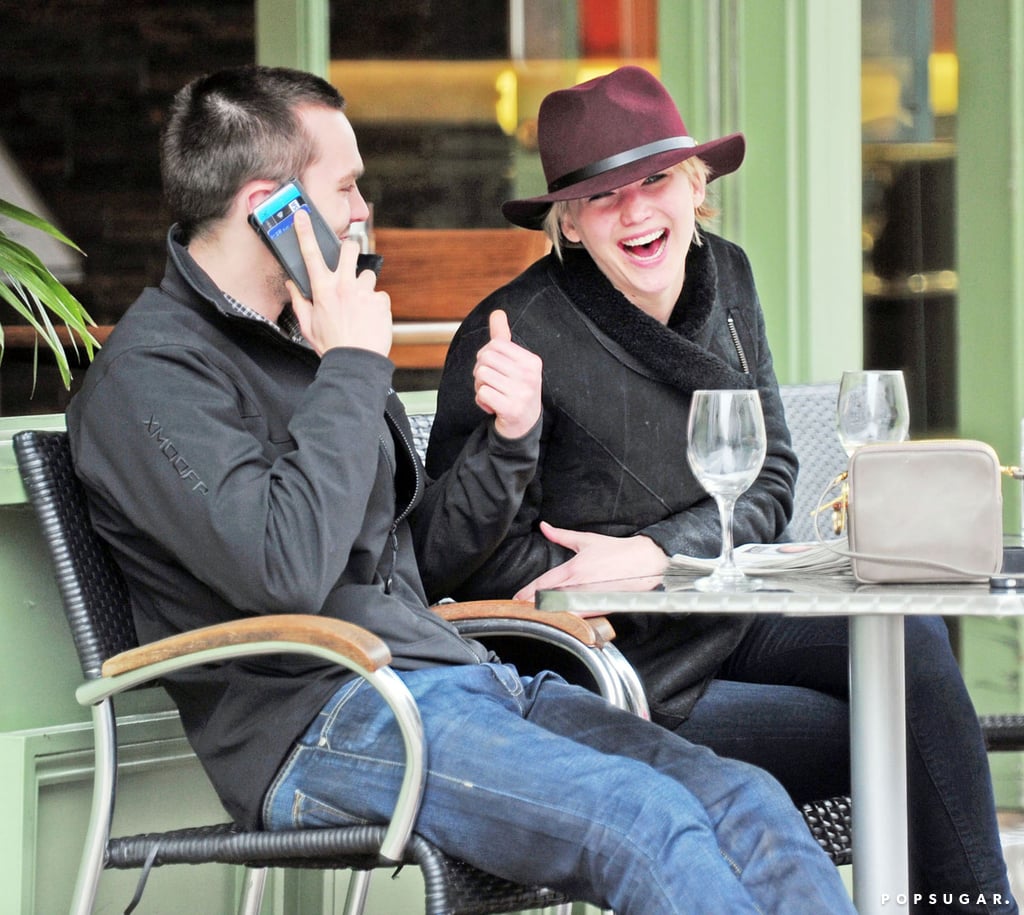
(234, 126)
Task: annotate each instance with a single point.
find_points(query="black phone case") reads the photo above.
(369, 262)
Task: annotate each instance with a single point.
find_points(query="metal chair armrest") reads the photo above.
(335, 641)
(594, 632)
(588, 640)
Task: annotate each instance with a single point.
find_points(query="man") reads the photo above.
(244, 453)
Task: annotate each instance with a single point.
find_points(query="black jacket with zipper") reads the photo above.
(234, 473)
(617, 392)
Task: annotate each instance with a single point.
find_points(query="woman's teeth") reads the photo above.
(645, 246)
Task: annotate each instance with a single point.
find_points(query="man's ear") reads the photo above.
(253, 193)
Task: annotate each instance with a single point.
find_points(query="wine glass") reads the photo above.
(726, 450)
(872, 407)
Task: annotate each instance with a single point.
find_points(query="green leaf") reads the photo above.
(15, 212)
(23, 302)
(38, 296)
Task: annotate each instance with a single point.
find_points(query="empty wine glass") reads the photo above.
(726, 450)
(872, 407)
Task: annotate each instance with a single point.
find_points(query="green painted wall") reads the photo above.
(990, 228)
(293, 33)
(787, 74)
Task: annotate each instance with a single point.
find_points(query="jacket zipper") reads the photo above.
(417, 472)
(744, 365)
(417, 488)
(393, 532)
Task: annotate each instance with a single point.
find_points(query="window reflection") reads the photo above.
(909, 98)
(444, 94)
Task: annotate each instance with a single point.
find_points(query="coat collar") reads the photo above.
(675, 354)
(186, 281)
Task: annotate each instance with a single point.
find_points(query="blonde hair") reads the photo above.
(694, 168)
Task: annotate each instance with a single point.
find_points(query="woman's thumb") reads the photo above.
(498, 323)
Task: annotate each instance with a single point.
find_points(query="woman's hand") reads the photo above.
(507, 381)
(598, 558)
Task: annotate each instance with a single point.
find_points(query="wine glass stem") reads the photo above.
(726, 505)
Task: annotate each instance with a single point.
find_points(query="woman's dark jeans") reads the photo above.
(780, 702)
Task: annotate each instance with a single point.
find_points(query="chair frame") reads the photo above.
(589, 640)
(213, 644)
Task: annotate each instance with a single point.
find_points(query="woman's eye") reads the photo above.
(653, 179)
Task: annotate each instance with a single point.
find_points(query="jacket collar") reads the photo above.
(675, 354)
(186, 281)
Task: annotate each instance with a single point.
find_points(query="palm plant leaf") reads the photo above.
(15, 212)
(38, 296)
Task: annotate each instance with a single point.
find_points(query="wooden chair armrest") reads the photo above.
(354, 642)
(595, 632)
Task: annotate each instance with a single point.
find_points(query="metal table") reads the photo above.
(877, 687)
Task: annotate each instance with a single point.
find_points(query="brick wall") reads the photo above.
(84, 85)
(83, 88)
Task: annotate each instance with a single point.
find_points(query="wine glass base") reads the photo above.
(728, 581)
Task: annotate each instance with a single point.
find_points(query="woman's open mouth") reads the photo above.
(646, 247)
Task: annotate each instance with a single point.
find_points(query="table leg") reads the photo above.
(878, 765)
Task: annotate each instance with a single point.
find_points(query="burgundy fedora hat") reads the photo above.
(609, 132)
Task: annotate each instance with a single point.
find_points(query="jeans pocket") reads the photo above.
(508, 677)
(274, 814)
(313, 812)
(327, 720)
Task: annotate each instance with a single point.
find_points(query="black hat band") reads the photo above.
(619, 159)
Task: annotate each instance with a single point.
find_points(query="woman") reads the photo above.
(635, 309)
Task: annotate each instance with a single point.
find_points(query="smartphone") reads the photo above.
(1004, 582)
(274, 222)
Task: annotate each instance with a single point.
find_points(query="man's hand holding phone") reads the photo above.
(346, 309)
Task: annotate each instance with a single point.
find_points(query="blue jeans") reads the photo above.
(538, 781)
(781, 703)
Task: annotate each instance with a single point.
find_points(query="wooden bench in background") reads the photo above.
(434, 277)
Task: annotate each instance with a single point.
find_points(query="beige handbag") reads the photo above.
(926, 511)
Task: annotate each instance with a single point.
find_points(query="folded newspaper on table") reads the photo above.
(775, 559)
